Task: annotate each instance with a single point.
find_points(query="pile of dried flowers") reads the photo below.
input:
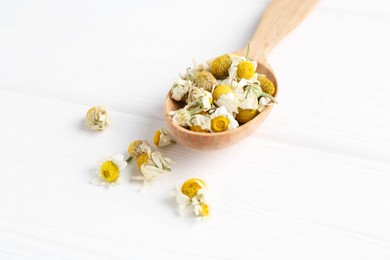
(221, 95)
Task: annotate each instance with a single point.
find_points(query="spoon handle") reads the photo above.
(280, 17)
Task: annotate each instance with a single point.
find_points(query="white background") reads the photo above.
(312, 183)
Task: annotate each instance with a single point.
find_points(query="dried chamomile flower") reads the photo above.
(222, 120)
(205, 80)
(193, 192)
(221, 90)
(97, 118)
(245, 69)
(229, 101)
(109, 170)
(241, 68)
(152, 166)
(220, 66)
(199, 98)
(162, 137)
(266, 85)
(253, 88)
(245, 115)
(224, 96)
(180, 89)
(200, 123)
(192, 73)
(137, 148)
(263, 103)
(181, 116)
(248, 108)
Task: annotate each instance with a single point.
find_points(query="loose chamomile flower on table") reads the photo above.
(222, 120)
(193, 192)
(109, 170)
(162, 137)
(137, 148)
(97, 118)
(152, 166)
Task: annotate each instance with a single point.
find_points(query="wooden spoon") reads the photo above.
(280, 17)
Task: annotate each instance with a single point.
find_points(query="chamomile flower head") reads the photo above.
(248, 108)
(266, 85)
(109, 170)
(200, 123)
(263, 103)
(181, 116)
(162, 137)
(180, 88)
(193, 193)
(245, 69)
(200, 98)
(222, 120)
(241, 68)
(221, 90)
(205, 80)
(229, 101)
(220, 66)
(138, 147)
(97, 118)
(193, 72)
(152, 166)
(191, 187)
(245, 115)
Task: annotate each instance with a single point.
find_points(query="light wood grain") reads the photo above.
(311, 183)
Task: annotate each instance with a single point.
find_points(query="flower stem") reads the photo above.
(248, 49)
(129, 159)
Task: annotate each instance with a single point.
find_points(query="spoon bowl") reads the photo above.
(280, 17)
(213, 141)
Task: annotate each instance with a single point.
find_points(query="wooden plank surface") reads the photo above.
(311, 183)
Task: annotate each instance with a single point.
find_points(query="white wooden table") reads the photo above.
(312, 183)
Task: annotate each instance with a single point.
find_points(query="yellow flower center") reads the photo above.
(245, 115)
(221, 90)
(220, 66)
(205, 80)
(266, 85)
(219, 124)
(197, 128)
(205, 210)
(109, 171)
(156, 138)
(133, 147)
(190, 187)
(245, 69)
(142, 159)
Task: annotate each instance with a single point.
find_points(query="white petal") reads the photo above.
(182, 199)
